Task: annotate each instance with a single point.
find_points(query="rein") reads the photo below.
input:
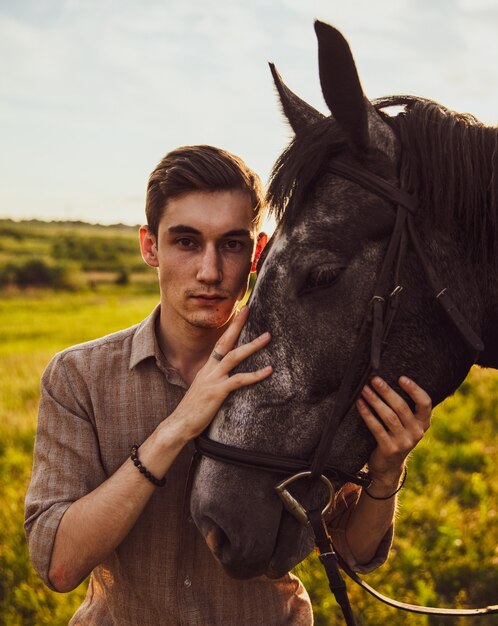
(381, 313)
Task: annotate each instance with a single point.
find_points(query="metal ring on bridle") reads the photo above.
(217, 355)
(293, 506)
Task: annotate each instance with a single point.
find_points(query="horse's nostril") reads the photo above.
(218, 541)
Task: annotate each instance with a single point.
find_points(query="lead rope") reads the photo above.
(328, 559)
(331, 560)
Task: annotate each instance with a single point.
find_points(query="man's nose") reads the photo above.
(210, 266)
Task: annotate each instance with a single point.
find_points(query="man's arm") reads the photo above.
(396, 437)
(95, 524)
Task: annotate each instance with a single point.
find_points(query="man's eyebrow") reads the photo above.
(240, 232)
(182, 228)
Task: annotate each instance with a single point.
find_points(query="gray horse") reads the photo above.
(316, 283)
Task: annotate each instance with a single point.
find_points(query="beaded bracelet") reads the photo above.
(393, 493)
(143, 470)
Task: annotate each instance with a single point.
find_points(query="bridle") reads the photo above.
(380, 316)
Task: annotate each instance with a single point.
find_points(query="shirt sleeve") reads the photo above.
(66, 464)
(338, 522)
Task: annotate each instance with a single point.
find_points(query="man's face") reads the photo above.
(205, 245)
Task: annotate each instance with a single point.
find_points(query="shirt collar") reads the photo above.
(144, 344)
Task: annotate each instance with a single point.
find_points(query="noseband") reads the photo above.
(379, 316)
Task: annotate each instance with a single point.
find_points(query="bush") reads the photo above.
(34, 273)
(40, 273)
(8, 274)
(123, 277)
(96, 253)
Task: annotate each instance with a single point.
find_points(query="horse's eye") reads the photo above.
(320, 277)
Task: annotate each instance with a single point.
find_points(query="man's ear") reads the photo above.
(260, 244)
(148, 246)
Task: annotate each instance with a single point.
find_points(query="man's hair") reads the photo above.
(200, 168)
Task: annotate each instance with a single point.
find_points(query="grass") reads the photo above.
(34, 327)
(445, 551)
(447, 530)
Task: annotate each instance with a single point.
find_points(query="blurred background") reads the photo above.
(94, 93)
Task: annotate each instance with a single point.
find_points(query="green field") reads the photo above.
(447, 530)
(32, 328)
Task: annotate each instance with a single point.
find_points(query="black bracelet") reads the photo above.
(393, 493)
(143, 470)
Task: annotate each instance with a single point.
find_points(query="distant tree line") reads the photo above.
(60, 255)
(42, 273)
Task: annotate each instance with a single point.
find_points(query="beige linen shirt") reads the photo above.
(97, 400)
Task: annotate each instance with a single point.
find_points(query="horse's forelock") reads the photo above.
(300, 165)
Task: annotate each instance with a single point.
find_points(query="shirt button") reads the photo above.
(187, 582)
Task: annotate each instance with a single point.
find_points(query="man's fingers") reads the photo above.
(421, 398)
(229, 338)
(373, 424)
(393, 400)
(248, 378)
(387, 414)
(237, 355)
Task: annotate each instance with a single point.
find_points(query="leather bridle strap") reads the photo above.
(384, 306)
(383, 315)
(330, 559)
(267, 463)
(473, 341)
(383, 188)
(413, 608)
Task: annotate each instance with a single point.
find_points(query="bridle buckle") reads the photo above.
(397, 290)
(294, 507)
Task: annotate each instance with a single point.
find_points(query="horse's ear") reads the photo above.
(299, 113)
(340, 84)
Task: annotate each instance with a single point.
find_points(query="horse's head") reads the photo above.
(313, 294)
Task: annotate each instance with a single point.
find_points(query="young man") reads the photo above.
(120, 413)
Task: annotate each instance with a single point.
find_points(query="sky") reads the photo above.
(93, 93)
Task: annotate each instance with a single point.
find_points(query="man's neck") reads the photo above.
(185, 346)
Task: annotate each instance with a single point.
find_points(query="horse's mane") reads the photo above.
(448, 160)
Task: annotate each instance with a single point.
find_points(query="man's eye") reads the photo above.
(233, 245)
(185, 242)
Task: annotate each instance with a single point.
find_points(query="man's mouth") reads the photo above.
(208, 298)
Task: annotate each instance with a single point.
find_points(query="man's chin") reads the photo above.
(209, 322)
(216, 319)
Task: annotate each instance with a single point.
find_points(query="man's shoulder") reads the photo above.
(112, 340)
(106, 351)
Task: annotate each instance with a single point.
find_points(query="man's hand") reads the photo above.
(213, 382)
(397, 430)
(400, 429)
